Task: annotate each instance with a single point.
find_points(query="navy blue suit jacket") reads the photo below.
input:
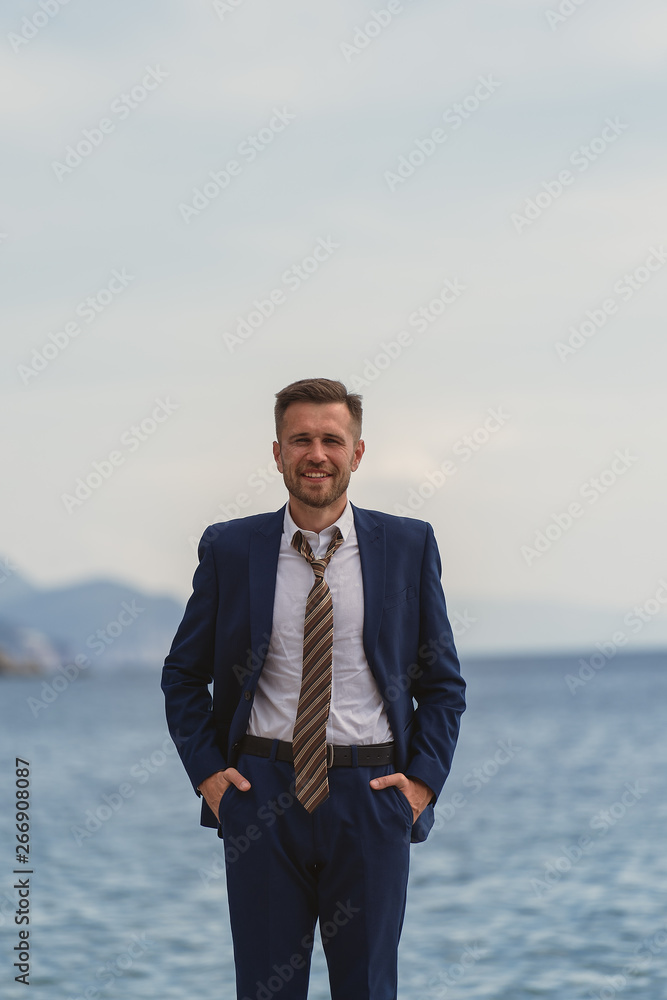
(225, 633)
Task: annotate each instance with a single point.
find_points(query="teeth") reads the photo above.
(315, 475)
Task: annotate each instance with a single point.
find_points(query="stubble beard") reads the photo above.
(337, 486)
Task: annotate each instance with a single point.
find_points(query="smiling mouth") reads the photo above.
(315, 476)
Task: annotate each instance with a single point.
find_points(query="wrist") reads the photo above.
(428, 791)
(202, 783)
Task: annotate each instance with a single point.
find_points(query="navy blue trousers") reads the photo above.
(346, 865)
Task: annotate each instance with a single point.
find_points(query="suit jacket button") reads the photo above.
(247, 695)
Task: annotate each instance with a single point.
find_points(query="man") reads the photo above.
(312, 759)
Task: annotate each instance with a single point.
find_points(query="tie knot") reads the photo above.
(302, 545)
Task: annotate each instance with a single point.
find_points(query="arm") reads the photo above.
(438, 686)
(187, 673)
(438, 689)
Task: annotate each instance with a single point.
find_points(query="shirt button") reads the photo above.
(247, 695)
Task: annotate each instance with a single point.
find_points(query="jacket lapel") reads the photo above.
(263, 567)
(372, 553)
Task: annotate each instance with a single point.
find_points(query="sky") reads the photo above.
(457, 209)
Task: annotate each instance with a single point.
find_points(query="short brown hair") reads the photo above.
(318, 390)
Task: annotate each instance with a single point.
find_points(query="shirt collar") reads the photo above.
(344, 523)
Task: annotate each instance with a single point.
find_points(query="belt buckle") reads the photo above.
(330, 755)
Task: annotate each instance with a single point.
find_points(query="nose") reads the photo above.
(316, 452)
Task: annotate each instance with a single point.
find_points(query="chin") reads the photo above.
(323, 499)
(318, 502)
(313, 499)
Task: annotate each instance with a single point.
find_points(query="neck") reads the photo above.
(316, 518)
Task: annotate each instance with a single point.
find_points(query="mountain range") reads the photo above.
(104, 621)
(111, 623)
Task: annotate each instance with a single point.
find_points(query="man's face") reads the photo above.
(317, 452)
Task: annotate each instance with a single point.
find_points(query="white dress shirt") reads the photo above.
(357, 714)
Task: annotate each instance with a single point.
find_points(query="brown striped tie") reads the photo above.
(309, 741)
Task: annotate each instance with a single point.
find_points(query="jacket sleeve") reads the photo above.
(438, 687)
(187, 673)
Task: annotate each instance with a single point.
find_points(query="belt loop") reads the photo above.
(355, 760)
(274, 749)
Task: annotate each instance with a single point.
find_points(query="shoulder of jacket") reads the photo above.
(412, 527)
(240, 527)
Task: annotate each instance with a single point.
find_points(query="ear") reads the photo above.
(276, 455)
(359, 449)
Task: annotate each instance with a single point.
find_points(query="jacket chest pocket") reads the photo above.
(401, 597)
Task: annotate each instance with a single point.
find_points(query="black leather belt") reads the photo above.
(374, 753)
